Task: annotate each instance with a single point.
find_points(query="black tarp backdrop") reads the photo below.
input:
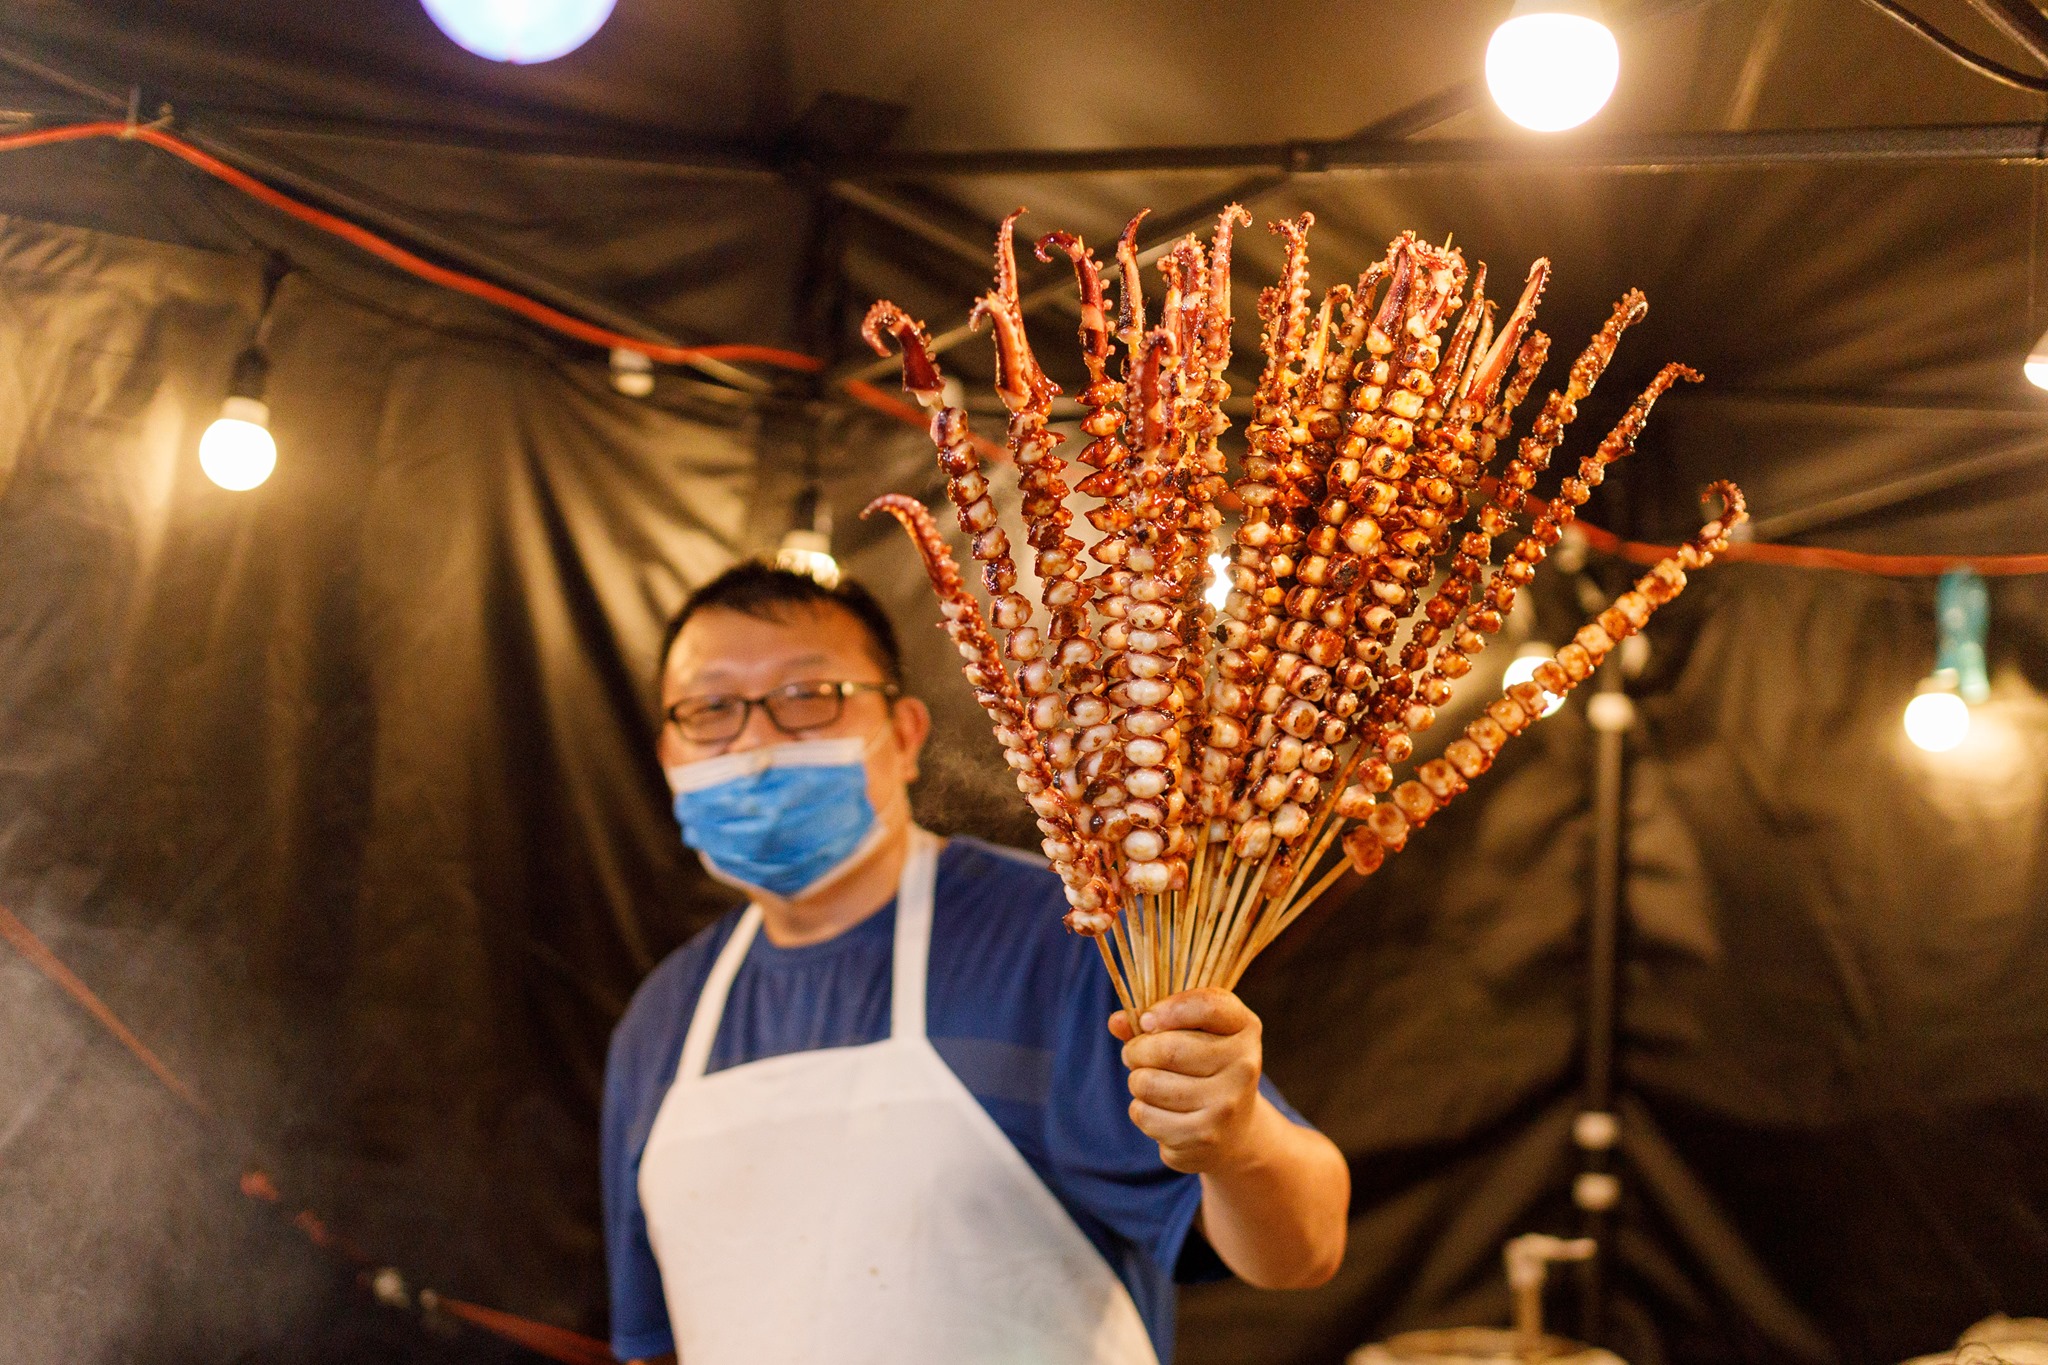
(339, 791)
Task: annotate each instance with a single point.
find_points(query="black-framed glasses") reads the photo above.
(792, 708)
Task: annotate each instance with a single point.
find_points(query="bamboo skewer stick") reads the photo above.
(1233, 914)
(1213, 915)
(1116, 979)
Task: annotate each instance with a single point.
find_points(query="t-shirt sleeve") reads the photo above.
(640, 1327)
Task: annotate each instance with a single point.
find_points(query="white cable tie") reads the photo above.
(1595, 1130)
(1611, 712)
(1596, 1191)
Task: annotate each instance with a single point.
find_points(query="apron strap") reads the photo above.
(711, 1003)
(913, 935)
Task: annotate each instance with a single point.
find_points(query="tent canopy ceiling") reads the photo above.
(621, 169)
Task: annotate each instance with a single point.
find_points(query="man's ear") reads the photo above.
(912, 722)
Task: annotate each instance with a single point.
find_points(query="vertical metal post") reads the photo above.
(1610, 714)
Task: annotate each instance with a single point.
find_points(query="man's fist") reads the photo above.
(1195, 1078)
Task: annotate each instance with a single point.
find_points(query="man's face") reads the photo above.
(725, 653)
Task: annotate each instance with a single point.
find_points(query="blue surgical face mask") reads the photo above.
(786, 819)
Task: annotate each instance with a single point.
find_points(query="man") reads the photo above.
(888, 1112)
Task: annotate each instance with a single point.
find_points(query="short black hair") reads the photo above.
(767, 593)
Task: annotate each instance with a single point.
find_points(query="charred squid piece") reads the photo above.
(1308, 695)
(1202, 422)
(1387, 512)
(1088, 279)
(1145, 650)
(1292, 311)
(1056, 675)
(1263, 559)
(966, 485)
(1444, 400)
(1187, 520)
(1468, 565)
(1075, 647)
(1520, 567)
(1028, 395)
(1130, 307)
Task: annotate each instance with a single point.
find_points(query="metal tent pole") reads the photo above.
(1596, 1190)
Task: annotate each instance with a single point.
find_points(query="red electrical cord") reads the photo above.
(1803, 556)
(391, 252)
(1795, 556)
(556, 1343)
(531, 309)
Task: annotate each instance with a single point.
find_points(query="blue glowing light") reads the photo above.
(1962, 615)
(522, 31)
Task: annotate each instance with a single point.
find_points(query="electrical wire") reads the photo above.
(556, 1343)
(1801, 556)
(1976, 61)
(1823, 557)
(391, 253)
(1795, 556)
(531, 309)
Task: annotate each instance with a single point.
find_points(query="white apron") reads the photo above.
(857, 1204)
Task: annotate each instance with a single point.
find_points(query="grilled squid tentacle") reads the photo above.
(1072, 858)
(1387, 825)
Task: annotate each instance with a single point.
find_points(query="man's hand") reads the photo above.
(1195, 1078)
(1274, 1194)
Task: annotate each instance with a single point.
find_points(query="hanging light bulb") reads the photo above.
(237, 451)
(1218, 591)
(2037, 364)
(807, 548)
(521, 31)
(1552, 65)
(1522, 668)
(1937, 719)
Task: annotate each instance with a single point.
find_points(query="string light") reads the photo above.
(519, 31)
(1938, 717)
(807, 548)
(1522, 668)
(632, 372)
(1552, 65)
(237, 451)
(1962, 617)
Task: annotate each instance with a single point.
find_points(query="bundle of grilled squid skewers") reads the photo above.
(1201, 778)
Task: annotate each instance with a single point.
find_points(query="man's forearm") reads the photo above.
(1277, 1216)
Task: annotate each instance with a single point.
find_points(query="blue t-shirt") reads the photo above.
(1016, 1005)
